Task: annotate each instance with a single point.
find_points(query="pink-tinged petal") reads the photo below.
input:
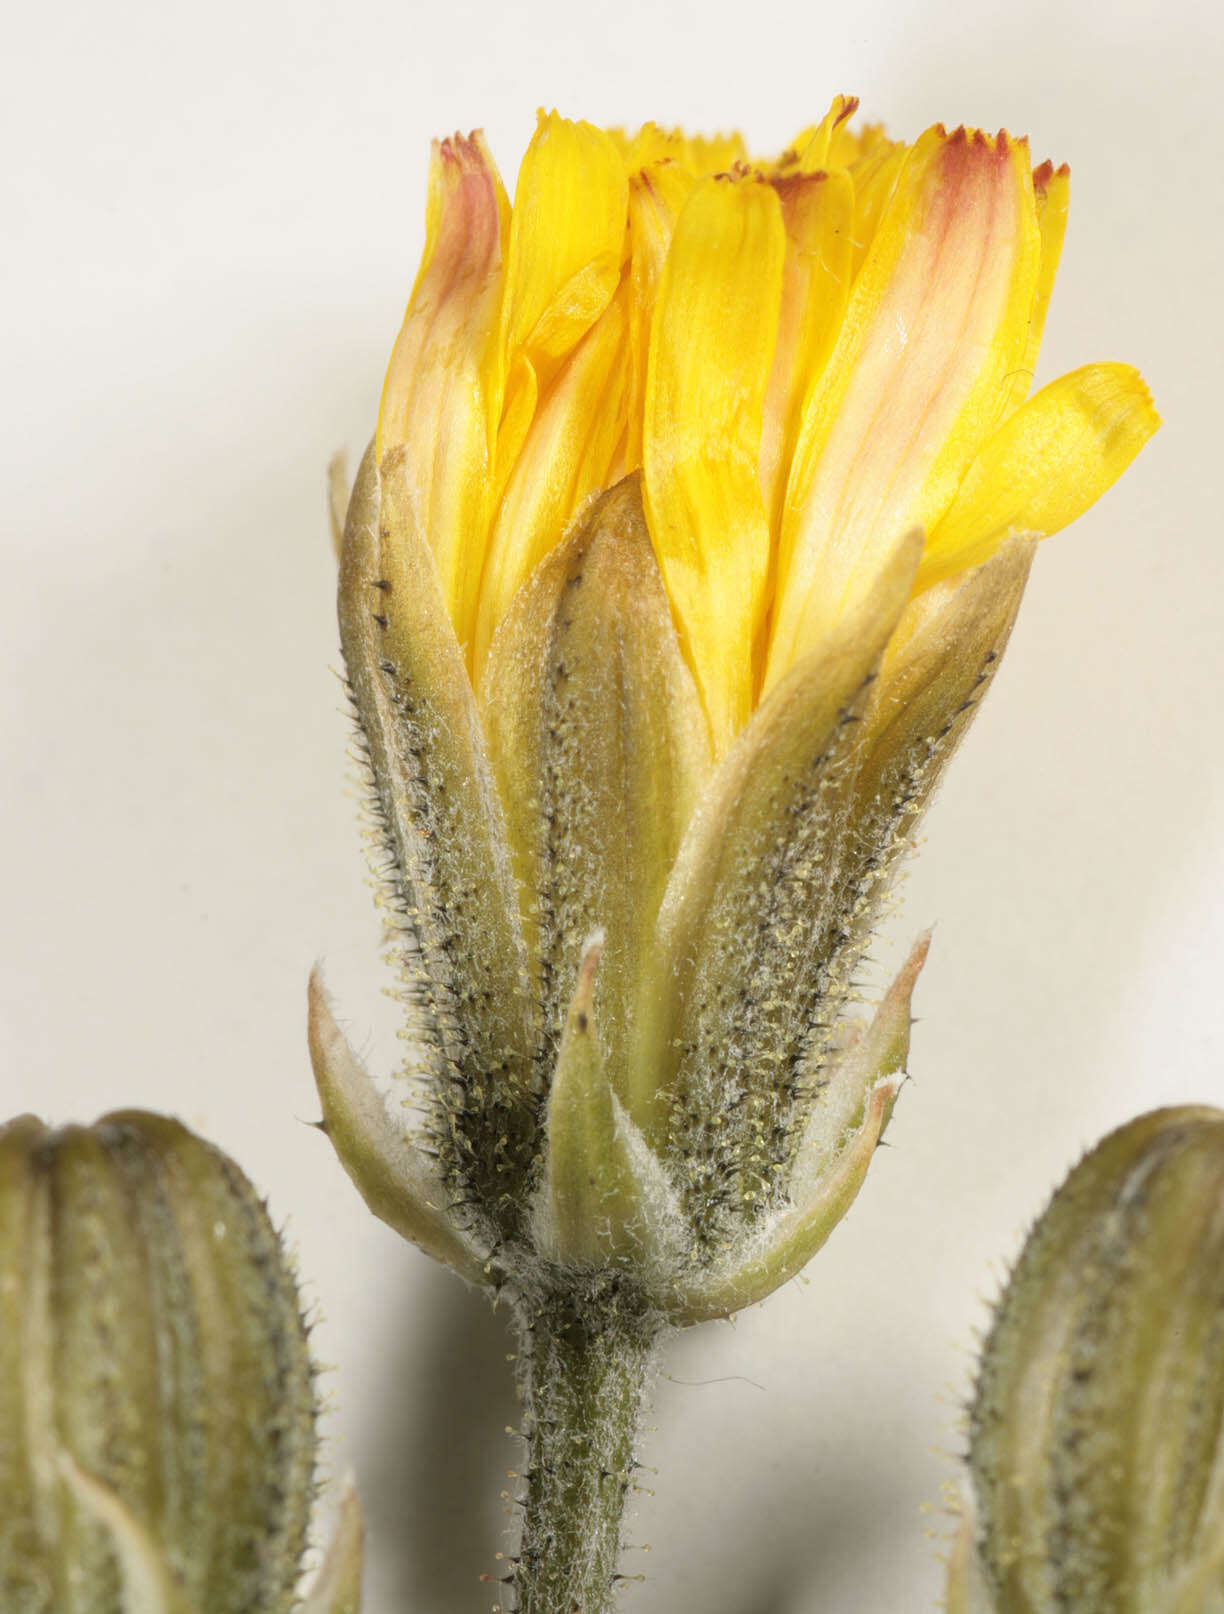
(818, 212)
(711, 352)
(436, 402)
(937, 320)
(816, 152)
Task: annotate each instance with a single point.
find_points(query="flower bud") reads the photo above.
(156, 1395)
(1096, 1450)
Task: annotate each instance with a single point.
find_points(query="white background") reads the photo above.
(212, 221)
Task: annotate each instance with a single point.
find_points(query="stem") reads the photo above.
(585, 1361)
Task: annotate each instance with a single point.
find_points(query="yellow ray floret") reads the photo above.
(818, 212)
(938, 317)
(1055, 456)
(808, 358)
(563, 261)
(436, 402)
(711, 349)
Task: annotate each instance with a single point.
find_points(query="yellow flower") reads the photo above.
(699, 512)
(701, 504)
(808, 359)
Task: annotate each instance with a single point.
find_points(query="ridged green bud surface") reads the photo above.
(1096, 1444)
(156, 1395)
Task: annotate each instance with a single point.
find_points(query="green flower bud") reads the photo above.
(1096, 1449)
(157, 1407)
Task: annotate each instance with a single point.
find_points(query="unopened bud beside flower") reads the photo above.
(1097, 1444)
(157, 1403)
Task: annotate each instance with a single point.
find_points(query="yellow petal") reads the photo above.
(937, 319)
(566, 235)
(875, 176)
(815, 154)
(698, 154)
(711, 349)
(713, 154)
(568, 456)
(563, 262)
(651, 145)
(818, 212)
(1056, 456)
(656, 195)
(847, 145)
(1051, 191)
(790, 160)
(435, 401)
(1052, 187)
(623, 140)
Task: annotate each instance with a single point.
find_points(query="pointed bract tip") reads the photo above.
(386, 1166)
(336, 1588)
(582, 1003)
(319, 1017)
(879, 1105)
(915, 959)
(592, 951)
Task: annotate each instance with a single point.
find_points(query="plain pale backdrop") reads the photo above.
(212, 219)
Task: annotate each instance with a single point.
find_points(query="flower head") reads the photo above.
(701, 503)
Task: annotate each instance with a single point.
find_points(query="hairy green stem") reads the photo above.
(585, 1362)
